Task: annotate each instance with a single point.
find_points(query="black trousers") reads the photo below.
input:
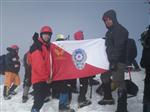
(41, 90)
(146, 98)
(83, 89)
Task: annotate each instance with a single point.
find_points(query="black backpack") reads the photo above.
(2, 64)
(132, 88)
(145, 38)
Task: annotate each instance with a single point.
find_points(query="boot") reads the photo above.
(122, 101)
(11, 90)
(66, 109)
(34, 110)
(107, 95)
(24, 99)
(82, 101)
(6, 93)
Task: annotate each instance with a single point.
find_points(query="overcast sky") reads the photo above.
(21, 18)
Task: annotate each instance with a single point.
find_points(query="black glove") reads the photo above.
(36, 43)
(35, 37)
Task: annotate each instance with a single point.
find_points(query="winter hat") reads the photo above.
(12, 48)
(78, 35)
(15, 47)
(111, 14)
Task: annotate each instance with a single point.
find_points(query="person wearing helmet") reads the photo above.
(82, 101)
(12, 67)
(80, 36)
(40, 64)
(55, 84)
(63, 88)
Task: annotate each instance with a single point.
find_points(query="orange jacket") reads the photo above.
(40, 64)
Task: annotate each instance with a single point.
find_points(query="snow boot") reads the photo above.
(122, 101)
(106, 102)
(24, 99)
(82, 92)
(11, 90)
(6, 93)
(66, 109)
(84, 103)
(107, 95)
(34, 110)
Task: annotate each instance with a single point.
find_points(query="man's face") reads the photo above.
(108, 22)
(46, 37)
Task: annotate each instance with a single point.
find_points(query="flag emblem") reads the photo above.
(79, 58)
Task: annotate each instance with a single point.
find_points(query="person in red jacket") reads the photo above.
(40, 64)
(82, 100)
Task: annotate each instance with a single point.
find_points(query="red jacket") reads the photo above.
(40, 64)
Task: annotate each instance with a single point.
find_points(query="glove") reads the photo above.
(37, 45)
(35, 37)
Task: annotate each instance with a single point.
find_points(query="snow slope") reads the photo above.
(134, 104)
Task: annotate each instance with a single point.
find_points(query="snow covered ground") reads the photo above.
(134, 103)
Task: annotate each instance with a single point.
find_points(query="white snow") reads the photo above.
(134, 103)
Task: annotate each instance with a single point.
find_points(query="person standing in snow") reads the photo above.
(12, 67)
(116, 47)
(145, 63)
(40, 65)
(80, 36)
(63, 87)
(82, 100)
(27, 76)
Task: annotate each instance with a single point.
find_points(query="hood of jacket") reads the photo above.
(112, 15)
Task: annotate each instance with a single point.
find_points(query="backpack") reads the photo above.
(2, 64)
(145, 38)
(132, 88)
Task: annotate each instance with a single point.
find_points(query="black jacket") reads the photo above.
(116, 40)
(145, 60)
(131, 51)
(11, 60)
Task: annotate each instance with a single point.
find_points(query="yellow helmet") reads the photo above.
(60, 37)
